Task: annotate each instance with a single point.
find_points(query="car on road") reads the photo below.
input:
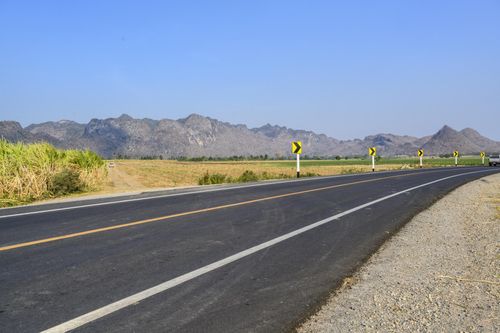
(494, 160)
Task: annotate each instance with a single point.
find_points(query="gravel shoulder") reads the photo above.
(440, 273)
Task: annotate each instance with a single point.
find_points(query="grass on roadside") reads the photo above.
(166, 173)
(246, 176)
(37, 171)
(150, 174)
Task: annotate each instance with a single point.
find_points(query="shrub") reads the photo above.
(64, 182)
(216, 178)
(248, 176)
(266, 175)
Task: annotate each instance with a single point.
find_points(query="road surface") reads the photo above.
(246, 258)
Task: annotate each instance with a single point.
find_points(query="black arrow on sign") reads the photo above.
(297, 148)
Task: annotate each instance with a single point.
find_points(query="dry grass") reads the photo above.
(142, 174)
(30, 172)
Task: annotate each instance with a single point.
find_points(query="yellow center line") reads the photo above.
(204, 210)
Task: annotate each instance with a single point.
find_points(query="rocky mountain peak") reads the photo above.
(470, 132)
(447, 130)
(10, 125)
(199, 123)
(193, 117)
(66, 122)
(271, 131)
(197, 135)
(12, 131)
(125, 116)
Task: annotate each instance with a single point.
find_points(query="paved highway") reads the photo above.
(246, 258)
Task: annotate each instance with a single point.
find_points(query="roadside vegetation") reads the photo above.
(40, 171)
(168, 173)
(246, 176)
(145, 174)
(30, 172)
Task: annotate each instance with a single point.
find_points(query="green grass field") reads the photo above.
(436, 161)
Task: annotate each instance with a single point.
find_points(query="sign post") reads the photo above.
(297, 149)
(298, 165)
(455, 154)
(372, 151)
(482, 156)
(420, 155)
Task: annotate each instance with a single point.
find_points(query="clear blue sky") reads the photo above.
(343, 68)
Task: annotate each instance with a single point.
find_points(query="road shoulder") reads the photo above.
(439, 273)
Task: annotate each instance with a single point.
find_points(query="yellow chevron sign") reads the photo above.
(482, 154)
(420, 152)
(455, 153)
(297, 147)
(372, 151)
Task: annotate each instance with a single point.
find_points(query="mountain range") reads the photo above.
(197, 136)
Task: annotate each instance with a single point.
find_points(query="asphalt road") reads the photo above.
(251, 258)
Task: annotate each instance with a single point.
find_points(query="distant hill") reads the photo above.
(197, 135)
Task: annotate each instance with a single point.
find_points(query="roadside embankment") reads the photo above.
(440, 273)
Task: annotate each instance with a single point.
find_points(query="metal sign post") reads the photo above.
(298, 165)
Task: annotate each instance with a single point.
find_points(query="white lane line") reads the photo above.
(140, 296)
(195, 192)
(138, 199)
(177, 194)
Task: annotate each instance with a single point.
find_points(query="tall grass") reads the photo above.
(36, 171)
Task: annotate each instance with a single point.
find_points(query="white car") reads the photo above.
(494, 160)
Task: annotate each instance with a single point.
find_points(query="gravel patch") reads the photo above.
(440, 273)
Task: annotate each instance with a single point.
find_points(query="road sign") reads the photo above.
(482, 154)
(455, 154)
(372, 151)
(420, 154)
(297, 147)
